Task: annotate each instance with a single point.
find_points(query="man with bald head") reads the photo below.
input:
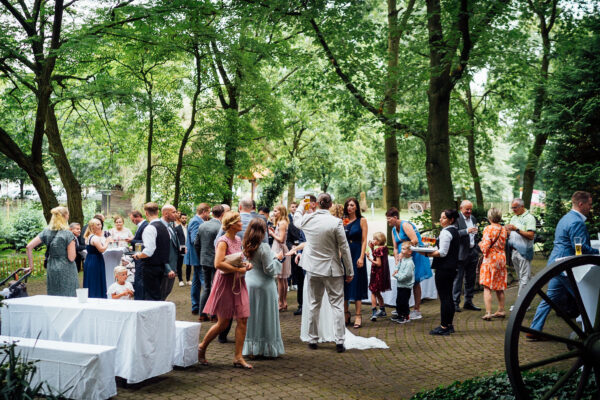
(169, 215)
(468, 257)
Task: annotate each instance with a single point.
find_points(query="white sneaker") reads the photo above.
(511, 308)
(181, 283)
(415, 315)
(189, 283)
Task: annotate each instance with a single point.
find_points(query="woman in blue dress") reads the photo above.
(94, 277)
(406, 231)
(356, 232)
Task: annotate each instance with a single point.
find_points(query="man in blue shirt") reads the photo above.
(570, 226)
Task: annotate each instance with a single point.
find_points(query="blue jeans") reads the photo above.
(558, 291)
(208, 274)
(196, 286)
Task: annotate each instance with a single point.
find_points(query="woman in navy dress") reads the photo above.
(356, 232)
(94, 277)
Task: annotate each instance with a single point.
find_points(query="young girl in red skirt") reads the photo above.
(380, 274)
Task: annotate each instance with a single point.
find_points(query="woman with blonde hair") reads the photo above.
(61, 251)
(279, 235)
(492, 273)
(229, 296)
(94, 274)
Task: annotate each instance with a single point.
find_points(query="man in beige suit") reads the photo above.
(325, 242)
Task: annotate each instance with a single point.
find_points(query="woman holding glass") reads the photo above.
(94, 274)
(120, 233)
(356, 232)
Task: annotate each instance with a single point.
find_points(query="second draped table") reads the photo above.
(112, 258)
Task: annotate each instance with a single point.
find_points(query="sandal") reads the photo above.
(357, 321)
(499, 314)
(202, 356)
(241, 364)
(487, 317)
(348, 316)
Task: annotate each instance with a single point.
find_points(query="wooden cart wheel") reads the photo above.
(416, 209)
(579, 350)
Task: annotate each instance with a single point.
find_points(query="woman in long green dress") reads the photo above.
(62, 279)
(263, 333)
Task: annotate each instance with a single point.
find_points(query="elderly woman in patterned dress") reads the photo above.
(492, 275)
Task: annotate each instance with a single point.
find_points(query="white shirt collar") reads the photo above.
(582, 216)
(140, 223)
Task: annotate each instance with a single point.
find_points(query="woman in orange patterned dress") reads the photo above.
(492, 275)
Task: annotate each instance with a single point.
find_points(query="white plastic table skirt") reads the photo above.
(186, 343)
(428, 290)
(75, 370)
(142, 331)
(588, 283)
(112, 258)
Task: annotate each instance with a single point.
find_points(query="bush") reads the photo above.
(497, 387)
(26, 224)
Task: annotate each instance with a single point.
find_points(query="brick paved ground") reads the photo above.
(415, 360)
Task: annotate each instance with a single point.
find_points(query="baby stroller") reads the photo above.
(16, 288)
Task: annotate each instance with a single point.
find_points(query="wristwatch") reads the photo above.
(517, 230)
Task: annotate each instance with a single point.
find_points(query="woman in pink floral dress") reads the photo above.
(229, 296)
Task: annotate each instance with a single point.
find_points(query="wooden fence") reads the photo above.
(10, 264)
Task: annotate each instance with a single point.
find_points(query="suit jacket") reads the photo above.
(191, 257)
(138, 234)
(173, 249)
(325, 239)
(570, 226)
(204, 242)
(246, 218)
(463, 237)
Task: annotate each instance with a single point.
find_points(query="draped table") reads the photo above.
(142, 331)
(428, 290)
(78, 371)
(588, 283)
(112, 258)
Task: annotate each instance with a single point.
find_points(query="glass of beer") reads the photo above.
(578, 243)
(306, 202)
(138, 247)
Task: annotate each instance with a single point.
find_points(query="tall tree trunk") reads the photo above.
(67, 177)
(291, 191)
(437, 145)
(471, 150)
(231, 148)
(541, 136)
(149, 151)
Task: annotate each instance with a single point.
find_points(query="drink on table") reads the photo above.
(138, 247)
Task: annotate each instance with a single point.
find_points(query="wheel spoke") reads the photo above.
(597, 320)
(550, 360)
(584, 315)
(552, 337)
(562, 314)
(563, 379)
(585, 375)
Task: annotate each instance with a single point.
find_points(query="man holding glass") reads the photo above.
(522, 231)
(570, 227)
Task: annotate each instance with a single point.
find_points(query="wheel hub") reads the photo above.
(592, 348)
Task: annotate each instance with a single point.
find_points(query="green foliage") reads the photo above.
(23, 226)
(273, 188)
(497, 387)
(16, 375)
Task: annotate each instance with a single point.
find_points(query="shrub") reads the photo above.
(497, 387)
(24, 226)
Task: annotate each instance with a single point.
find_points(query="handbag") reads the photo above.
(48, 249)
(235, 259)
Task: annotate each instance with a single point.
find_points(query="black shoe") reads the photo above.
(451, 328)
(298, 311)
(471, 306)
(195, 312)
(457, 308)
(440, 331)
(340, 348)
(223, 340)
(374, 315)
(312, 346)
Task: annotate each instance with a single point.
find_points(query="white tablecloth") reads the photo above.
(186, 343)
(112, 258)
(428, 290)
(78, 371)
(142, 331)
(588, 283)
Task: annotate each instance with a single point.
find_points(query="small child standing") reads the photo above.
(380, 274)
(405, 277)
(121, 289)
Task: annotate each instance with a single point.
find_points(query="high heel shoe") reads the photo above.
(241, 364)
(348, 316)
(202, 356)
(357, 321)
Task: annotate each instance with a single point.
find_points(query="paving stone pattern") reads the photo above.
(414, 361)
